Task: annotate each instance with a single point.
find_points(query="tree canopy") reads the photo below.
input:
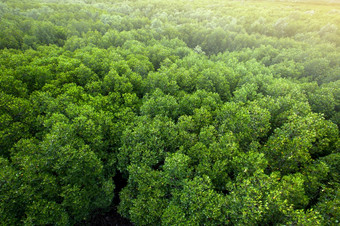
(170, 112)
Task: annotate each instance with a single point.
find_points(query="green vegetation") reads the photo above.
(210, 112)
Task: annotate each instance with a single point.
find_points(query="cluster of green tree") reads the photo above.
(214, 113)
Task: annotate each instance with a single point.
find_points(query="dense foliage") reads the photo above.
(212, 112)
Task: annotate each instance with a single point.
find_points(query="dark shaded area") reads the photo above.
(112, 217)
(314, 199)
(109, 219)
